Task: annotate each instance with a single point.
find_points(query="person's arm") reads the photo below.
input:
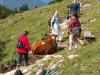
(79, 5)
(68, 26)
(79, 23)
(69, 23)
(78, 10)
(70, 7)
(27, 44)
(52, 20)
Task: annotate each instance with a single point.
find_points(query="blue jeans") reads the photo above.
(20, 58)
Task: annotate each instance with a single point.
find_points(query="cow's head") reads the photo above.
(49, 36)
(53, 36)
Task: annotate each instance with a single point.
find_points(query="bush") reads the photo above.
(5, 12)
(2, 48)
(54, 1)
(23, 8)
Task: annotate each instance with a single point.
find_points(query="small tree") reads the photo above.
(23, 8)
(15, 10)
(2, 48)
(5, 12)
(54, 1)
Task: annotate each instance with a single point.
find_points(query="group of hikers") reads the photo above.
(73, 27)
(73, 24)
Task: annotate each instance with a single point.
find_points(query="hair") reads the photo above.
(75, 15)
(26, 32)
(18, 72)
(56, 12)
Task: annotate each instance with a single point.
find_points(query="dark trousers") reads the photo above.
(20, 55)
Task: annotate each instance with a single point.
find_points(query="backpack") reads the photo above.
(76, 30)
(19, 44)
(49, 22)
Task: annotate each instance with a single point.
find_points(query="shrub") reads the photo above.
(54, 1)
(2, 48)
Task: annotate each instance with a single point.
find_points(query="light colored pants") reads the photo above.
(70, 41)
(55, 29)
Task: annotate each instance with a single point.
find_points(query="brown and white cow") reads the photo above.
(46, 46)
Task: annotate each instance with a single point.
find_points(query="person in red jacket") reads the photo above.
(24, 49)
(74, 27)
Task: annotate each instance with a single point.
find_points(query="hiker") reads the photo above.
(23, 48)
(55, 24)
(74, 28)
(74, 8)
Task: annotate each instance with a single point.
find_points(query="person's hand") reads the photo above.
(30, 52)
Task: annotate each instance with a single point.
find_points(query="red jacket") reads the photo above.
(73, 22)
(25, 41)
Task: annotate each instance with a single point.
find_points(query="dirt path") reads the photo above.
(26, 70)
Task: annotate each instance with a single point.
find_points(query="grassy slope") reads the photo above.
(89, 61)
(36, 21)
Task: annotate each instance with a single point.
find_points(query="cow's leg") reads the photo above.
(32, 52)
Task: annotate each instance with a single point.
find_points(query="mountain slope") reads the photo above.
(36, 20)
(17, 3)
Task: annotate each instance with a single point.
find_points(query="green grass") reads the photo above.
(36, 22)
(88, 63)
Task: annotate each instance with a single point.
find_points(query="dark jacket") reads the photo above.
(74, 7)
